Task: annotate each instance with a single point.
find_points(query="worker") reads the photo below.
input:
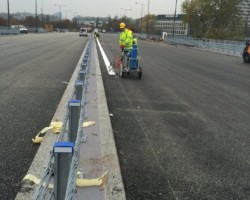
(96, 34)
(126, 38)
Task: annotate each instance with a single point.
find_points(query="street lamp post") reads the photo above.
(36, 15)
(148, 22)
(8, 7)
(174, 17)
(75, 18)
(141, 13)
(60, 7)
(66, 11)
(126, 10)
(42, 13)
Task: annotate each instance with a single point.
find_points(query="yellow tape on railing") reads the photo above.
(80, 182)
(87, 124)
(56, 128)
(101, 181)
(36, 180)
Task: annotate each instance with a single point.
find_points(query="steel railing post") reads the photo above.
(82, 75)
(63, 152)
(79, 89)
(85, 61)
(74, 116)
(83, 66)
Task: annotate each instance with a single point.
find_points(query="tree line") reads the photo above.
(218, 19)
(143, 25)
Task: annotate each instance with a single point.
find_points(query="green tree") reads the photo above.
(148, 24)
(3, 22)
(217, 19)
(30, 21)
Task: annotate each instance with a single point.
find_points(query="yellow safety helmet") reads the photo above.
(122, 25)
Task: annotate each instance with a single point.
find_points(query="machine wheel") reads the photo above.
(246, 58)
(139, 74)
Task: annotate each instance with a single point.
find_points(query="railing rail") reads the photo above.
(222, 46)
(42, 190)
(8, 30)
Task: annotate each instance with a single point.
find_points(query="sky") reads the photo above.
(94, 8)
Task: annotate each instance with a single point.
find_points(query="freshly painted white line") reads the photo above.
(106, 61)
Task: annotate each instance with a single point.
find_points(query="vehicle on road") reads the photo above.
(83, 32)
(22, 28)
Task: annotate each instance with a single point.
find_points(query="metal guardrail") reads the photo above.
(42, 190)
(222, 46)
(38, 30)
(8, 31)
(13, 31)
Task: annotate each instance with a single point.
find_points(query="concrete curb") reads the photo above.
(115, 188)
(99, 154)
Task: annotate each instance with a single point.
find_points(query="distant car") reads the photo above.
(83, 32)
(22, 28)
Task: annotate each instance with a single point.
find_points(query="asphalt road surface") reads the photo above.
(182, 131)
(33, 72)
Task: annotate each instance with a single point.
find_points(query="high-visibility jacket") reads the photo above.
(126, 39)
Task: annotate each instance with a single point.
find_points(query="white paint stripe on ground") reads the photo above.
(105, 58)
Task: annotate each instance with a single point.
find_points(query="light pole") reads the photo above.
(148, 22)
(66, 11)
(75, 18)
(42, 13)
(8, 7)
(36, 15)
(126, 10)
(60, 7)
(141, 12)
(174, 17)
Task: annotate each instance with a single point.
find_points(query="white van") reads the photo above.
(83, 32)
(22, 28)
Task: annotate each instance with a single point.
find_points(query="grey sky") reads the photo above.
(96, 8)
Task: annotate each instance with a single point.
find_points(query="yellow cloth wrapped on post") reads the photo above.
(101, 181)
(87, 124)
(56, 126)
(36, 180)
(39, 137)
